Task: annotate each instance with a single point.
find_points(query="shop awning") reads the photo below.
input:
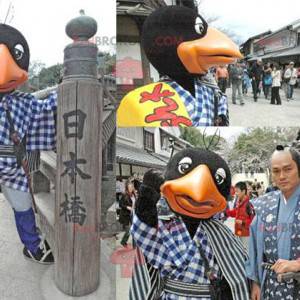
(254, 58)
(139, 157)
(289, 52)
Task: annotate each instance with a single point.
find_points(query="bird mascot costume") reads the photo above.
(26, 125)
(182, 47)
(186, 253)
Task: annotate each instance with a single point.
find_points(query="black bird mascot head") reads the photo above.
(197, 183)
(14, 59)
(178, 42)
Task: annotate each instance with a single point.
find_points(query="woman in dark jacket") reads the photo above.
(126, 204)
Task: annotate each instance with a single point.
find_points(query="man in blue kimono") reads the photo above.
(275, 232)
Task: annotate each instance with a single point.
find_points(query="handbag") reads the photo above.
(268, 80)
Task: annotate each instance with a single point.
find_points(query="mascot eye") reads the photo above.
(184, 165)
(199, 26)
(18, 51)
(220, 176)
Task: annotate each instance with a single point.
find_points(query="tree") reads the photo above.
(253, 149)
(198, 139)
(35, 68)
(50, 76)
(106, 62)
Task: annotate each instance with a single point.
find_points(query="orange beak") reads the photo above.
(214, 49)
(11, 75)
(195, 194)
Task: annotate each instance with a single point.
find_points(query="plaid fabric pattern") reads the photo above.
(33, 118)
(170, 249)
(201, 107)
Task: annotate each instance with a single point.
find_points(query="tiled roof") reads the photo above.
(130, 155)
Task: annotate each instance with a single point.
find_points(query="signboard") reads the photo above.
(282, 40)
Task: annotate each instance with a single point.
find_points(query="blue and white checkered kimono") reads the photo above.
(33, 118)
(201, 107)
(171, 250)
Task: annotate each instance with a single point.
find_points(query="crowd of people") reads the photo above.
(265, 79)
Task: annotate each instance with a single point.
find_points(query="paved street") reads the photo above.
(262, 113)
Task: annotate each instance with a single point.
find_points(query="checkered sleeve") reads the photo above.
(149, 241)
(223, 106)
(41, 132)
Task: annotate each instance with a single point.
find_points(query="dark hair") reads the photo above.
(241, 185)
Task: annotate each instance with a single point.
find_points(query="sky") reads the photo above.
(248, 18)
(43, 24)
(230, 134)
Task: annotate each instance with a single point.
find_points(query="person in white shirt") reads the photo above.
(276, 83)
(290, 76)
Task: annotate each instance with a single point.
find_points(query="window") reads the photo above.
(148, 141)
(165, 141)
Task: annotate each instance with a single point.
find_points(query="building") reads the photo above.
(133, 68)
(247, 47)
(139, 149)
(281, 46)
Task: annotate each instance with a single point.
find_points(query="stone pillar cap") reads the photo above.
(81, 28)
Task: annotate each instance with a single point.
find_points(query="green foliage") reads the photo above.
(50, 76)
(106, 62)
(41, 77)
(195, 137)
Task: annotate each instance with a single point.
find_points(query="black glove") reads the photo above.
(149, 194)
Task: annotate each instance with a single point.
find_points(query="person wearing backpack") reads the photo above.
(267, 80)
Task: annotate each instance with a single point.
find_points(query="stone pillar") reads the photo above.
(78, 180)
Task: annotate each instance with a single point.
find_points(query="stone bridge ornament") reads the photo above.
(79, 162)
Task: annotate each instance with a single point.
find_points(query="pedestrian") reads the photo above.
(290, 77)
(222, 78)
(237, 73)
(256, 75)
(250, 190)
(246, 81)
(276, 83)
(243, 213)
(127, 204)
(136, 182)
(274, 232)
(267, 79)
